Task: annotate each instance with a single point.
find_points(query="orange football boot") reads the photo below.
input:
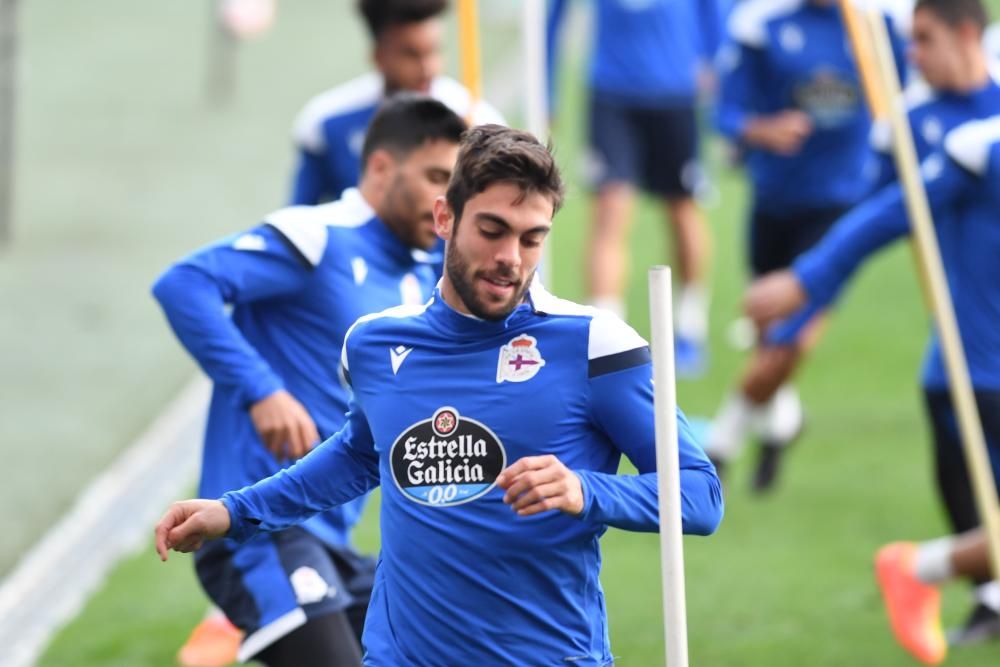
(215, 642)
(914, 607)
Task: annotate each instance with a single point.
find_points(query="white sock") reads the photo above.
(729, 429)
(989, 595)
(781, 417)
(691, 312)
(933, 564)
(613, 304)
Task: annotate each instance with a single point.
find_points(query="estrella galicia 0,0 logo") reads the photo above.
(446, 460)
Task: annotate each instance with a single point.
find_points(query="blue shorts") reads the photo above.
(652, 147)
(276, 582)
(949, 457)
(777, 239)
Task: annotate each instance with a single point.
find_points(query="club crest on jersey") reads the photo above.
(446, 460)
(519, 360)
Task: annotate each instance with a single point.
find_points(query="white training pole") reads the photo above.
(935, 284)
(8, 104)
(220, 69)
(536, 113)
(536, 93)
(667, 466)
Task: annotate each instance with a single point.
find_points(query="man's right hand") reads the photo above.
(774, 296)
(782, 133)
(284, 425)
(188, 523)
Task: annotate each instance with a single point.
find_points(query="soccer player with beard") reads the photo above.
(494, 417)
(296, 283)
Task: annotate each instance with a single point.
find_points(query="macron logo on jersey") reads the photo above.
(397, 355)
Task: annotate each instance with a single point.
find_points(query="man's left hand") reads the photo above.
(536, 484)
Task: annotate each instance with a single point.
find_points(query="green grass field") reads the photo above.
(122, 168)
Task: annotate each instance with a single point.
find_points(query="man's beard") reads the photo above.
(458, 273)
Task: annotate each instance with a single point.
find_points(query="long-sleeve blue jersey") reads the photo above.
(795, 54)
(330, 132)
(646, 51)
(963, 186)
(296, 284)
(443, 402)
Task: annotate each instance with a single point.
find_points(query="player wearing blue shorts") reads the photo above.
(494, 417)
(791, 101)
(295, 284)
(649, 59)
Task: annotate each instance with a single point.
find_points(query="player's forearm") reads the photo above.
(825, 269)
(628, 502)
(194, 306)
(631, 502)
(332, 474)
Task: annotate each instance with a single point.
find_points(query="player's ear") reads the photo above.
(444, 218)
(380, 163)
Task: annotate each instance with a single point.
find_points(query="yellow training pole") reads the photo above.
(864, 58)
(928, 257)
(468, 43)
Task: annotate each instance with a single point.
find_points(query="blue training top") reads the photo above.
(296, 284)
(443, 402)
(794, 54)
(647, 52)
(963, 186)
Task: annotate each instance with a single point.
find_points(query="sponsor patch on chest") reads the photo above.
(446, 460)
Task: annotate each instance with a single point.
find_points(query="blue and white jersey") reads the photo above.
(296, 284)
(443, 402)
(330, 132)
(796, 54)
(963, 186)
(933, 114)
(647, 52)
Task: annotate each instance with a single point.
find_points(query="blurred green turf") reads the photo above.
(787, 580)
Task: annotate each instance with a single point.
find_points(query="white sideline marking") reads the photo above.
(111, 518)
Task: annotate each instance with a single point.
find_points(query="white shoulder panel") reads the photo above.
(748, 20)
(609, 334)
(306, 226)
(355, 94)
(970, 144)
(457, 98)
(303, 226)
(395, 311)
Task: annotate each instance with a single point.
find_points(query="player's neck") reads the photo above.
(451, 297)
(975, 76)
(370, 193)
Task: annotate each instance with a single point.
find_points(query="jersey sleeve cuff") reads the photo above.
(240, 530)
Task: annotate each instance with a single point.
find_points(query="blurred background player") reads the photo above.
(791, 100)
(962, 185)
(407, 40)
(296, 283)
(957, 84)
(648, 59)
